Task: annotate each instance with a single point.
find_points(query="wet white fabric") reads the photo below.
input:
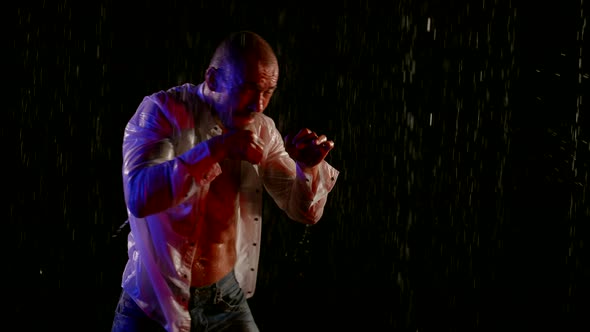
(167, 169)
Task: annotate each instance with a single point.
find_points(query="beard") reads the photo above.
(233, 119)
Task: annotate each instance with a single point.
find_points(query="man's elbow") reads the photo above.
(136, 203)
(310, 217)
(310, 221)
(136, 209)
(136, 197)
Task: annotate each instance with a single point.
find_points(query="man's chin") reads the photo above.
(241, 122)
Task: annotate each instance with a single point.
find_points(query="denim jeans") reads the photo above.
(221, 306)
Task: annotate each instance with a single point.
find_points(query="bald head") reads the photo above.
(241, 47)
(241, 78)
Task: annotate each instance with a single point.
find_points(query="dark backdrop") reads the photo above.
(461, 136)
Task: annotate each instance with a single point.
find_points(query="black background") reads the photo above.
(461, 134)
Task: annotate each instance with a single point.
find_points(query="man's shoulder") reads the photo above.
(264, 123)
(265, 126)
(183, 88)
(186, 92)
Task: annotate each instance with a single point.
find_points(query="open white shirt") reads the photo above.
(167, 165)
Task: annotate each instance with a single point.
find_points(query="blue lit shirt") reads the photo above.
(167, 168)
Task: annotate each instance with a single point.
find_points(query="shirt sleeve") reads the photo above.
(154, 177)
(302, 195)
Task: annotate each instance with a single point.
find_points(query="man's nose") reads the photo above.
(257, 103)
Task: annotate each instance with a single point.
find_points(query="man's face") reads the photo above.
(248, 92)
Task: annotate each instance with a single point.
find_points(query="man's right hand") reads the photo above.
(239, 145)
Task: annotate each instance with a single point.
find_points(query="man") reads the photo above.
(195, 161)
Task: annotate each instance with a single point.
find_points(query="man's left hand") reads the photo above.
(307, 148)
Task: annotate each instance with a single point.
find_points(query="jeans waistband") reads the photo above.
(205, 293)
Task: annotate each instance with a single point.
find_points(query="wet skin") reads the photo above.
(234, 106)
(216, 245)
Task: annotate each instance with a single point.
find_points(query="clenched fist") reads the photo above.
(307, 148)
(238, 145)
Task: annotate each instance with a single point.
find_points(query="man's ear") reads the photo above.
(212, 77)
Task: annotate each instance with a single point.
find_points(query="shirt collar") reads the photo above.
(208, 125)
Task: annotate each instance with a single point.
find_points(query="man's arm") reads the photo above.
(154, 178)
(300, 191)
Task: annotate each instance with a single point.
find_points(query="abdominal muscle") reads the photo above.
(217, 231)
(213, 263)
